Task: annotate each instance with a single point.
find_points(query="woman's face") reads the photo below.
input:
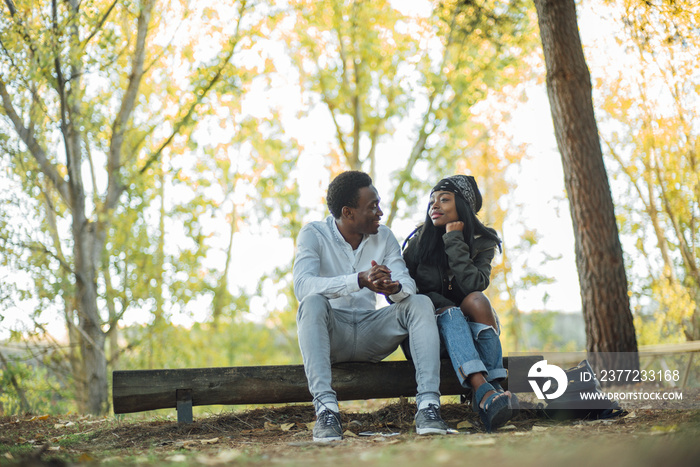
(442, 208)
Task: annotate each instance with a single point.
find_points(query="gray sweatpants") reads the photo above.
(328, 336)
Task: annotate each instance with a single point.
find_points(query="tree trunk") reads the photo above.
(601, 271)
(86, 235)
(92, 337)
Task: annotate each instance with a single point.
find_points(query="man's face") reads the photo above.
(367, 214)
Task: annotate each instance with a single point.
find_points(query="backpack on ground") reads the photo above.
(583, 398)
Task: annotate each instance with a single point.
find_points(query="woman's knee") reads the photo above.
(477, 308)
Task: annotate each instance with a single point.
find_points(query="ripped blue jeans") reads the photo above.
(472, 347)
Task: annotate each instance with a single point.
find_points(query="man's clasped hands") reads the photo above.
(378, 280)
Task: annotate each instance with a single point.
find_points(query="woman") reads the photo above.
(449, 257)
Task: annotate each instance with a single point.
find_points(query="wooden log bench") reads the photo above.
(142, 390)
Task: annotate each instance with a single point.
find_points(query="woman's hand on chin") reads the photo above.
(457, 225)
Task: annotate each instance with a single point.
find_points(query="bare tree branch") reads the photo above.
(65, 124)
(101, 23)
(11, 6)
(114, 187)
(332, 109)
(47, 168)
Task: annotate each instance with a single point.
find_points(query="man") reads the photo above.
(341, 265)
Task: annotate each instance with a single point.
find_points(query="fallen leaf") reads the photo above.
(539, 428)
(87, 421)
(38, 417)
(8, 456)
(209, 441)
(507, 428)
(63, 424)
(349, 434)
(176, 458)
(465, 424)
(287, 426)
(310, 425)
(271, 426)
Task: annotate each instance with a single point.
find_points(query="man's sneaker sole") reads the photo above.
(328, 439)
(430, 431)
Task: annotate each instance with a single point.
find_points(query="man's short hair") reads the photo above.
(344, 190)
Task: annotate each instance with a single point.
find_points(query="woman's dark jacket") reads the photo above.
(467, 272)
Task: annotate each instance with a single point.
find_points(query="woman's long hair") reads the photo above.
(431, 248)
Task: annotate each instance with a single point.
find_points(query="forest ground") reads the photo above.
(377, 433)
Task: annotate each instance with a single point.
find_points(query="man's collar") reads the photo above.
(339, 236)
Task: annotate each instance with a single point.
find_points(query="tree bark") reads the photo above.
(601, 271)
(92, 337)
